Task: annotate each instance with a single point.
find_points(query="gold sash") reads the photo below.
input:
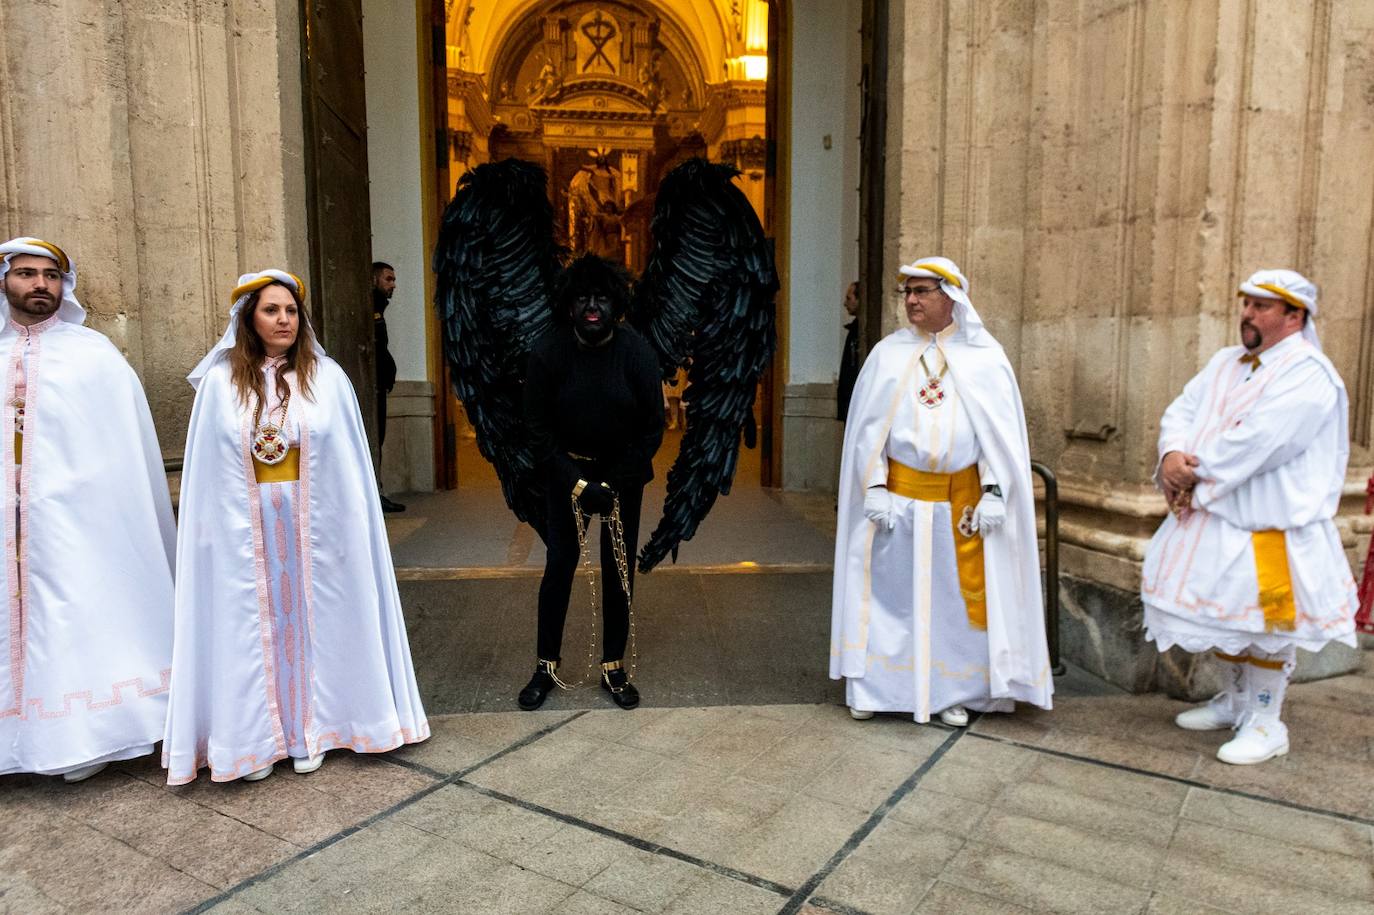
(962, 490)
(1275, 580)
(18, 447)
(288, 471)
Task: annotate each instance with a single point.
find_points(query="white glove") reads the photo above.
(990, 514)
(878, 507)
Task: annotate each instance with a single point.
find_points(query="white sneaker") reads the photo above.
(303, 766)
(258, 775)
(956, 716)
(83, 773)
(1217, 714)
(859, 715)
(1257, 740)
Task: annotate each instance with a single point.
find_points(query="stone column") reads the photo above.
(1106, 172)
(161, 144)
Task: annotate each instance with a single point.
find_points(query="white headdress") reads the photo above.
(1289, 286)
(70, 310)
(248, 284)
(955, 285)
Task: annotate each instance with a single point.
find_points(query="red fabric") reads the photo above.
(1364, 620)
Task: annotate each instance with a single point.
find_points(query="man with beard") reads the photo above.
(383, 286)
(1249, 565)
(85, 658)
(594, 408)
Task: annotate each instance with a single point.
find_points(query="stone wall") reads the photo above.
(160, 143)
(1106, 172)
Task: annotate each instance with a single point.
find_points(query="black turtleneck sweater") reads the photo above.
(603, 402)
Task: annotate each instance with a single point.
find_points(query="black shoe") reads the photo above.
(615, 681)
(539, 687)
(389, 506)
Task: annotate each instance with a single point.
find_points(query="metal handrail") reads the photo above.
(1051, 564)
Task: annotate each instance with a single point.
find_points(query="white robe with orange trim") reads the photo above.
(86, 651)
(1272, 449)
(223, 705)
(899, 630)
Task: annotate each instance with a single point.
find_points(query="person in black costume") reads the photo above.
(594, 412)
(850, 360)
(383, 286)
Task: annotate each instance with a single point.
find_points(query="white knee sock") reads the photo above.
(1233, 668)
(1267, 678)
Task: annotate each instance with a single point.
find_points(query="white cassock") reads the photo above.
(901, 632)
(1272, 446)
(289, 634)
(89, 535)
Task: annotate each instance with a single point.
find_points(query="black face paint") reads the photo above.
(592, 319)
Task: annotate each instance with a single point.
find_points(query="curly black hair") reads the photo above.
(592, 275)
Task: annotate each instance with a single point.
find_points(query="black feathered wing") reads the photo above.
(496, 263)
(706, 296)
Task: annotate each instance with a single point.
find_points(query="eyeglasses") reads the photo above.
(918, 291)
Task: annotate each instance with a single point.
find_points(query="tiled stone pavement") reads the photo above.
(1098, 806)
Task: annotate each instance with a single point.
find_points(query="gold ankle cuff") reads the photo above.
(608, 666)
(551, 668)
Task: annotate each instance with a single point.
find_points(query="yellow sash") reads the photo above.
(18, 447)
(288, 471)
(962, 490)
(1275, 580)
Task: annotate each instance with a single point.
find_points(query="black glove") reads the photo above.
(597, 498)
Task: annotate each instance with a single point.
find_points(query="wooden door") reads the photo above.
(339, 214)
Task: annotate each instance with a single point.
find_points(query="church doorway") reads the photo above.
(608, 96)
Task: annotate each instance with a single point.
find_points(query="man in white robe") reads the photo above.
(85, 658)
(1249, 565)
(937, 605)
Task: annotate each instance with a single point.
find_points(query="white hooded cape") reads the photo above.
(85, 658)
(1017, 651)
(364, 697)
(1272, 450)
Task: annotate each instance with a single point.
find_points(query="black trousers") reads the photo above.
(381, 418)
(561, 564)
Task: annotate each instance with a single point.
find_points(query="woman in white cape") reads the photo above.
(289, 636)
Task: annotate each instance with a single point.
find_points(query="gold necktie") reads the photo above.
(1250, 359)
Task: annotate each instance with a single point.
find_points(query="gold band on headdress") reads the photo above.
(254, 285)
(57, 253)
(1278, 291)
(1281, 293)
(948, 275)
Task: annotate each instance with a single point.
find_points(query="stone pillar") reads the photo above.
(1106, 172)
(408, 458)
(160, 143)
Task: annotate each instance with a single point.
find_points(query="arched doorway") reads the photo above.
(608, 96)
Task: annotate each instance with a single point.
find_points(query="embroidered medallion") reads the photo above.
(966, 522)
(18, 416)
(269, 441)
(269, 445)
(931, 394)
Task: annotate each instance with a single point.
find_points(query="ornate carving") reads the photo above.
(746, 155)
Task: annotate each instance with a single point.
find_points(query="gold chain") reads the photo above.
(257, 414)
(622, 564)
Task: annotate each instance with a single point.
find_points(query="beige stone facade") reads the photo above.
(161, 144)
(1106, 172)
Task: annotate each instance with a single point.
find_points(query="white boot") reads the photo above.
(304, 766)
(259, 775)
(859, 714)
(1224, 710)
(956, 716)
(83, 773)
(1261, 735)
